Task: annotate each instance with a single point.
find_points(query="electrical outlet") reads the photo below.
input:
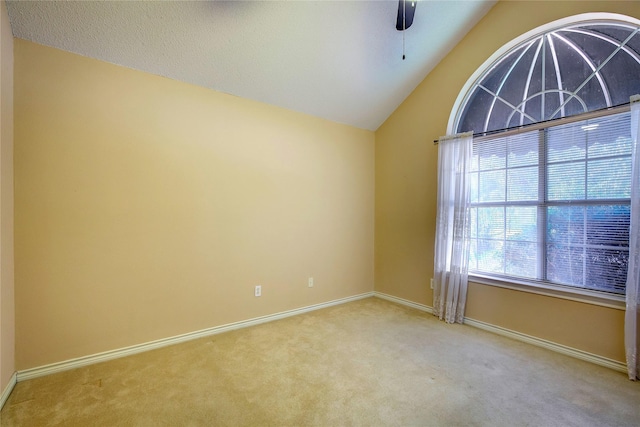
(258, 291)
(432, 283)
(311, 282)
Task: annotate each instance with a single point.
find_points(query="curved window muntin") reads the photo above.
(574, 24)
(544, 92)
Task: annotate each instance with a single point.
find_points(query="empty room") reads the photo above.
(293, 213)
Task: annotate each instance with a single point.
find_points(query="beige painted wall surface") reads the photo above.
(406, 185)
(7, 319)
(147, 208)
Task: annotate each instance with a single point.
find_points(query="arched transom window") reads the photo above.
(561, 72)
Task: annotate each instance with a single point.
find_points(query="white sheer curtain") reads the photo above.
(633, 275)
(451, 258)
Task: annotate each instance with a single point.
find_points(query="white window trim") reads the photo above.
(587, 296)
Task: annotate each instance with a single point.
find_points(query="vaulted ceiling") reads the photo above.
(339, 60)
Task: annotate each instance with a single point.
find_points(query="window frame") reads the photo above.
(543, 287)
(610, 300)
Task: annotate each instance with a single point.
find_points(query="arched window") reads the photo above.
(550, 199)
(558, 72)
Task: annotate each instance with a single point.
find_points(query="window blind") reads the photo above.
(552, 204)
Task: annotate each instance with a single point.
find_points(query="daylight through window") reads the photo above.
(552, 205)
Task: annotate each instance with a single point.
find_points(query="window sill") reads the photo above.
(573, 294)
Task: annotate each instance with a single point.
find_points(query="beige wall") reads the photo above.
(147, 208)
(406, 165)
(7, 320)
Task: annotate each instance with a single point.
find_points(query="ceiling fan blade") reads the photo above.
(406, 10)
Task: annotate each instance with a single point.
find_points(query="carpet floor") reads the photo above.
(366, 363)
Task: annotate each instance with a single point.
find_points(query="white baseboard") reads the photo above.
(403, 301)
(8, 389)
(139, 348)
(558, 348)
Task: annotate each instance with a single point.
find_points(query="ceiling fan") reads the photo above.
(406, 11)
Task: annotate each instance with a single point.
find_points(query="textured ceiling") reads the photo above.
(339, 60)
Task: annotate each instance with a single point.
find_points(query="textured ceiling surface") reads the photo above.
(339, 60)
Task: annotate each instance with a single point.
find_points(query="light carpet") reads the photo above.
(366, 363)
